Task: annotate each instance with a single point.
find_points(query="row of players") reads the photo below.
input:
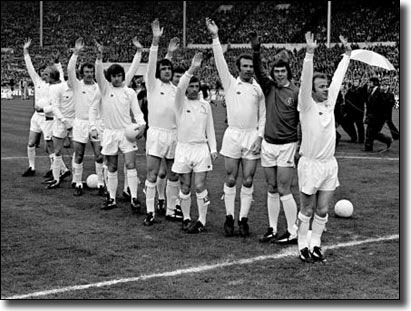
(262, 122)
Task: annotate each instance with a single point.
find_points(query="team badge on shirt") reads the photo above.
(290, 101)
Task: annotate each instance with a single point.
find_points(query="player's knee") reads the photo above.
(283, 189)
(152, 175)
(247, 182)
(130, 165)
(173, 176)
(162, 174)
(99, 158)
(200, 186)
(230, 181)
(322, 210)
(272, 188)
(185, 189)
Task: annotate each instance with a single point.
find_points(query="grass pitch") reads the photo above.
(51, 239)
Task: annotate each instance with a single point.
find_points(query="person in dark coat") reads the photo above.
(353, 120)
(376, 116)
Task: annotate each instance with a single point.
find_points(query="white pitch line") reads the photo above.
(287, 253)
(367, 158)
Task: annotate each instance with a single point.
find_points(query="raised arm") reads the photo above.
(305, 92)
(27, 59)
(172, 47)
(220, 62)
(261, 75)
(56, 60)
(135, 63)
(152, 58)
(71, 67)
(210, 132)
(339, 73)
(185, 81)
(101, 80)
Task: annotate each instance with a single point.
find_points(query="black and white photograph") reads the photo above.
(203, 151)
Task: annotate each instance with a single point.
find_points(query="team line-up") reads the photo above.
(263, 116)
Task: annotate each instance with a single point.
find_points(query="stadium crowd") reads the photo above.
(110, 23)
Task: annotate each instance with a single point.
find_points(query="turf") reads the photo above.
(51, 239)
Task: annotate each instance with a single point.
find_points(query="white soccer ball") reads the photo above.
(92, 181)
(344, 208)
(131, 132)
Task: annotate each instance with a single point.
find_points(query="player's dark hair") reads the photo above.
(279, 64)
(54, 74)
(179, 69)
(242, 56)
(85, 65)
(194, 79)
(318, 75)
(164, 62)
(114, 70)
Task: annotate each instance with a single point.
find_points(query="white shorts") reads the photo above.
(38, 124)
(192, 158)
(278, 155)
(115, 140)
(314, 175)
(161, 142)
(81, 130)
(60, 130)
(237, 144)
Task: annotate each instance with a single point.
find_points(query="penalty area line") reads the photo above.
(286, 253)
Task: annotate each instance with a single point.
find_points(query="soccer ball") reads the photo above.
(131, 132)
(92, 181)
(343, 208)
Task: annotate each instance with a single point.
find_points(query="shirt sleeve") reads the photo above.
(261, 115)
(210, 132)
(337, 80)
(260, 74)
(151, 68)
(221, 64)
(181, 91)
(59, 67)
(305, 93)
(71, 71)
(101, 79)
(30, 68)
(135, 108)
(133, 68)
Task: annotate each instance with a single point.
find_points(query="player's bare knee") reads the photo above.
(173, 176)
(152, 175)
(230, 181)
(283, 189)
(99, 158)
(130, 165)
(272, 188)
(322, 210)
(248, 182)
(185, 188)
